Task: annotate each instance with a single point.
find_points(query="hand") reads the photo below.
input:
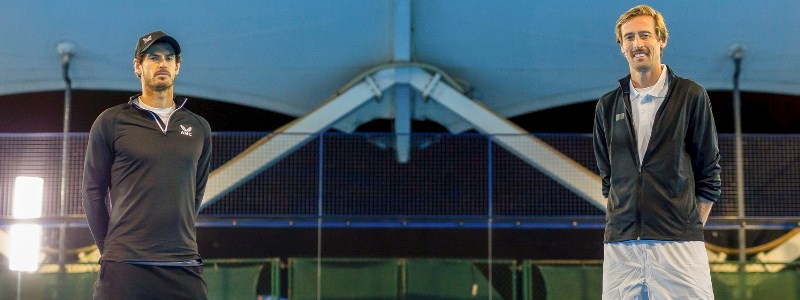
(705, 209)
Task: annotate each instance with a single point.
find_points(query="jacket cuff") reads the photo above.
(703, 199)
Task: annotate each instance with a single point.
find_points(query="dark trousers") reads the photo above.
(120, 281)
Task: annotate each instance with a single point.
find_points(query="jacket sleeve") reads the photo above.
(203, 167)
(703, 148)
(97, 178)
(601, 148)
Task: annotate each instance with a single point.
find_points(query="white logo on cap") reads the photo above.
(147, 39)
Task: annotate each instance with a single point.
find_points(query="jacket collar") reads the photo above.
(179, 101)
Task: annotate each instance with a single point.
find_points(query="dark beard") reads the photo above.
(158, 87)
(644, 69)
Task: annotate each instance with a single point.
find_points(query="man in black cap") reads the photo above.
(145, 172)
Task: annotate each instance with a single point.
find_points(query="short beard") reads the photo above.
(644, 69)
(158, 87)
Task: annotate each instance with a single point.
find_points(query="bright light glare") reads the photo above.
(25, 239)
(24, 247)
(27, 197)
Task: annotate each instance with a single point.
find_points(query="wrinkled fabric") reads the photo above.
(656, 270)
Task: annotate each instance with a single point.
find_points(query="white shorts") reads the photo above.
(656, 270)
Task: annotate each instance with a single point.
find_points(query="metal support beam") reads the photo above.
(426, 92)
(402, 92)
(402, 122)
(535, 152)
(270, 149)
(508, 135)
(402, 30)
(374, 87)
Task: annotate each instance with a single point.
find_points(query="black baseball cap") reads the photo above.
(149, 39)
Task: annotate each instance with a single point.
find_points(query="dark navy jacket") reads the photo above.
(657, 199)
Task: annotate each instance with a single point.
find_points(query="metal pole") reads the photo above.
(737, 55)
(19, 285)
(490, 221)
(320, 189)
(65, 49)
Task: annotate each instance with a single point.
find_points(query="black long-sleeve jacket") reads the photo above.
(657, 199)
(153, 177)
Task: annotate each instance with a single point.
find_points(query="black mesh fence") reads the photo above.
(445, 176)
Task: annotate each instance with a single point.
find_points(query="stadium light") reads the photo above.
(25, 239)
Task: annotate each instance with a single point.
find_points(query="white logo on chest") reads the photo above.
(186, 130)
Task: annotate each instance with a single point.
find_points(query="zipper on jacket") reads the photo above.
(639, 216)
(158, 119)
(638, 186)
(659, 111)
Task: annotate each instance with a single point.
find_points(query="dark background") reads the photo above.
(43, 112)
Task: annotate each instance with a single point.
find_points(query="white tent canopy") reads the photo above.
(289, 56)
